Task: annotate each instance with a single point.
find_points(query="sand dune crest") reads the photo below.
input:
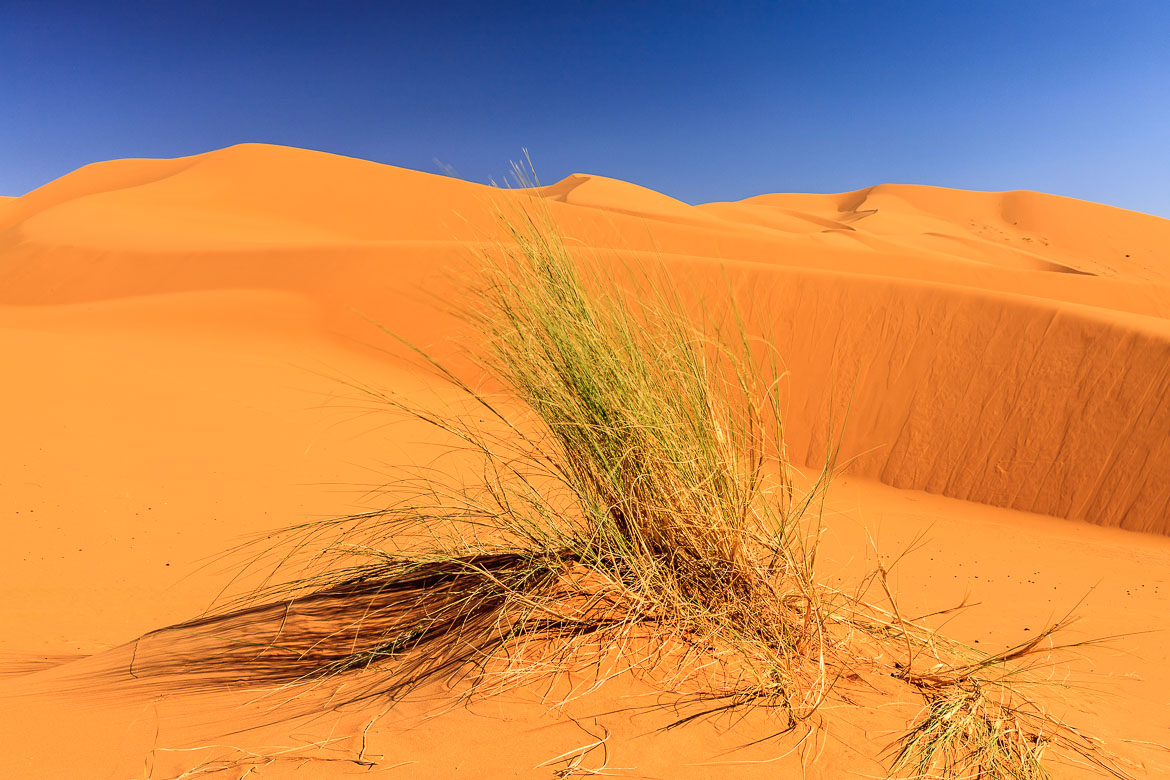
(1007, 348)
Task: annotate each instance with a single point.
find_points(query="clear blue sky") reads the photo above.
(1065, 97)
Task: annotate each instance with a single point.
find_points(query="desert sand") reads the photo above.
(174, 332)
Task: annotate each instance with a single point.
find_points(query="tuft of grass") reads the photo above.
(981, 719)
(631, 490)
(962, 734)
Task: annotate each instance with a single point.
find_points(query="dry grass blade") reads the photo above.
(631, 479)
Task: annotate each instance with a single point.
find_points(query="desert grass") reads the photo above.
(630, 492)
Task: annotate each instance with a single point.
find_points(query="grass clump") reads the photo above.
(633, 476)
(631, 490)
(962, 734)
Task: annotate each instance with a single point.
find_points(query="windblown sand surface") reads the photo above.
(173, 332)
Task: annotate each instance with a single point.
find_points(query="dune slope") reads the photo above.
(1005, 348)
(173, 333)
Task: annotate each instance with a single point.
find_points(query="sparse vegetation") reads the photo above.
(632, 490)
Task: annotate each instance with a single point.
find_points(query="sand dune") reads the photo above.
(173, 331)
(1022, 332)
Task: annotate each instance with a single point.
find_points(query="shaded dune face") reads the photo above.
(1006, 348)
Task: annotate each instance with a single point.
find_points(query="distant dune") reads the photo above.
(1006, 348)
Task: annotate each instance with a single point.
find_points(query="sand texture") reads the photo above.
(172, 333)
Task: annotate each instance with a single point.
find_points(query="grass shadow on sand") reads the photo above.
(630, 493)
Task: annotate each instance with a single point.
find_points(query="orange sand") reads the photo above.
(172, 332)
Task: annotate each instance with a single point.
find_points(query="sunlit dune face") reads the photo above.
(175, 331)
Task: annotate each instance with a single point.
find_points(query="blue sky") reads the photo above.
(704, 102)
